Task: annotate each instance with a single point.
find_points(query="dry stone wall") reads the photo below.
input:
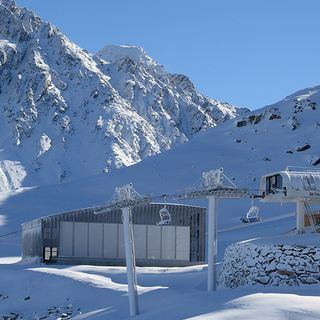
(275, 265)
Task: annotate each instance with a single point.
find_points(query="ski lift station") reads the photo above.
(301, 187)
(96, 236)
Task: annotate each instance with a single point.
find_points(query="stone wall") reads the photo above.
(276, 265)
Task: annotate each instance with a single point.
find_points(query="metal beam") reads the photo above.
(130, 261)
(227, 193)
(300, 216)
(212, 242)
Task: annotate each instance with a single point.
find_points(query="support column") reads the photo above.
(212, 242)
(300, 216)
(130, 261)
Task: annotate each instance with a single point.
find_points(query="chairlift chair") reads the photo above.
(165, 217)
(252, 214)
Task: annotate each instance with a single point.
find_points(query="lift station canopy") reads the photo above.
(291, 186)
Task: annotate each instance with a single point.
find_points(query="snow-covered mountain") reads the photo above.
(66, 114)
(167, 101)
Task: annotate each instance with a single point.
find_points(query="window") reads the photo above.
(274, 184)
(47, 254)
(54, 252)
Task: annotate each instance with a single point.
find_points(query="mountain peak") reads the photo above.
(113, 53)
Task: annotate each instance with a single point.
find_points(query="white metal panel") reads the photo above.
(153, 242)
(81, 239)
(140, 240)
(168, 246)
(66, 239)
(121, 249)
(110, 240)
(183, 243)
(95, 240)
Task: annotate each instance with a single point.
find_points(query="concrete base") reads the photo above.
(122, 262)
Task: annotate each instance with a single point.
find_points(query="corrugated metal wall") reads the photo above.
(32, 239)
(69, 232)
(105, 240)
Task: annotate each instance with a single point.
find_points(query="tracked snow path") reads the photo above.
(246, 225)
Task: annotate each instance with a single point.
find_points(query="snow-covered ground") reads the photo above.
(90, 292)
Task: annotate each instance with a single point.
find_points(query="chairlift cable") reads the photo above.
(17, 231)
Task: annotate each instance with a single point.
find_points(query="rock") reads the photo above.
(263, 280)
(298, 247)
(289, 252)
(312, 268)
(308, 280)
(274, 116)
(292, 282)
(315, 163)
(241, 123)
(264, 251)
(294, 123)
(275, 282)
(3, 297)
(294, 263)
(286, 272)
(300, 270)
(11, 316)
(306, 250)
(316, 256)
(254, 119)
(316, 275)
(251, 263)
(303, 148)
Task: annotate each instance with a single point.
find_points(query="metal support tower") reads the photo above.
(130, 261)
(212, 242)
(300, 216)
(123, 194)
(212, 188)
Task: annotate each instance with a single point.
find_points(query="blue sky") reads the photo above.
(250, 52)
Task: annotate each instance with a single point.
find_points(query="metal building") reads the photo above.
(290, 186)
(301, 187)
(87, 236)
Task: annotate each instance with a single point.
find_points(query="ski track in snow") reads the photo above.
(92, 279)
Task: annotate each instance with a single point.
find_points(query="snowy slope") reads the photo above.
(262, 142)
(65, 115)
